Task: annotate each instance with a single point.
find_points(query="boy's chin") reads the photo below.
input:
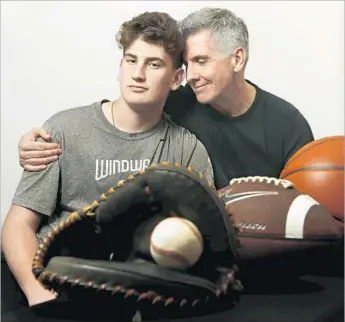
(139, 104)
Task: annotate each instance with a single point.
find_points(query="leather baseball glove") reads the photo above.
(103, 250)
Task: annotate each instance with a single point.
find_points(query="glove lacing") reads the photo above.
(270, 180)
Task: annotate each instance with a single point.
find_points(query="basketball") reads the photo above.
(317, 169)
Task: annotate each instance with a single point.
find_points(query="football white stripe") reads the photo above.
(296, 216)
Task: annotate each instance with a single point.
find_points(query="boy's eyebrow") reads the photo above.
(130, 55)
(147, 58)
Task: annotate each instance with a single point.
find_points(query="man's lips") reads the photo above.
(199, 87)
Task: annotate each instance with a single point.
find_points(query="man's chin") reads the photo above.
(204, 99)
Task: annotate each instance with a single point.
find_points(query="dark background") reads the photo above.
(271, 295)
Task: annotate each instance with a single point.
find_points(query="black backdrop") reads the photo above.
(317, 297)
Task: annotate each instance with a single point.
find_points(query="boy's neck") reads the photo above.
(131, 119)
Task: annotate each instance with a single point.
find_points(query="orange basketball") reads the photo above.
(317, 169)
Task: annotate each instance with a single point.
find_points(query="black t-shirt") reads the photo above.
(256, 143)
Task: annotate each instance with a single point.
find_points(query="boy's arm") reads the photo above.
(36, 196)
(19, 243)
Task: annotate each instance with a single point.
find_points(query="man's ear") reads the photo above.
(239, 59)
(178, 79)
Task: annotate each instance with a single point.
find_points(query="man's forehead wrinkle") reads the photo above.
(198, 51)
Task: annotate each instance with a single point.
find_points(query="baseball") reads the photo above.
(176, 243)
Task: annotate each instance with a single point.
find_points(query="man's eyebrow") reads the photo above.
(198, 57)
(149, 59)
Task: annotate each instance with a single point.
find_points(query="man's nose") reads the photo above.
(139, 74)
(191, 75)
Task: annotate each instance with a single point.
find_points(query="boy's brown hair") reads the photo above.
(156, 28)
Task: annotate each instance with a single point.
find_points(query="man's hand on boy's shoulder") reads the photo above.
(35, 155)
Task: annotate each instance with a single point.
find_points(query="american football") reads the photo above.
(274, 219)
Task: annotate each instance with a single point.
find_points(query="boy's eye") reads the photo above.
(130, 60)
(154, 65)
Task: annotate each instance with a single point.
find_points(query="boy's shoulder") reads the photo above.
(179, 131)
(185, 140)
(74, 114)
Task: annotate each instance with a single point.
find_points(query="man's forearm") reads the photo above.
(19, 244)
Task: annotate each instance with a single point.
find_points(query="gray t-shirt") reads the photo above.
(96, 156)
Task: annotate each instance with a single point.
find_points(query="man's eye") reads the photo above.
(202, 61)
(130, 60)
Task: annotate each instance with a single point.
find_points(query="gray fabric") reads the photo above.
(96, 156)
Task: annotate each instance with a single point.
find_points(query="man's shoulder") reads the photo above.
(184, 92)
(179, 103)
(279, 107)
(282, 116)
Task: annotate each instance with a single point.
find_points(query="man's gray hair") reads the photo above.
(229, 31)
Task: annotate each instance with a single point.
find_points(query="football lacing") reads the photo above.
(271, 180)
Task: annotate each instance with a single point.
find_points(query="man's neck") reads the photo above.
(236, 100)
(131, 120)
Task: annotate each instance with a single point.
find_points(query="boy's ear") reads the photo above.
(178, 79)
(119, 72)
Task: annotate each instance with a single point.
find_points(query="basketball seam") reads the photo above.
(336, 168)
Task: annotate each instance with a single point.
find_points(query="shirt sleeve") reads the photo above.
(39, 191)
(299, 134)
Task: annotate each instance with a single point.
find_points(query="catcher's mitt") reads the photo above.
(103, 249)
